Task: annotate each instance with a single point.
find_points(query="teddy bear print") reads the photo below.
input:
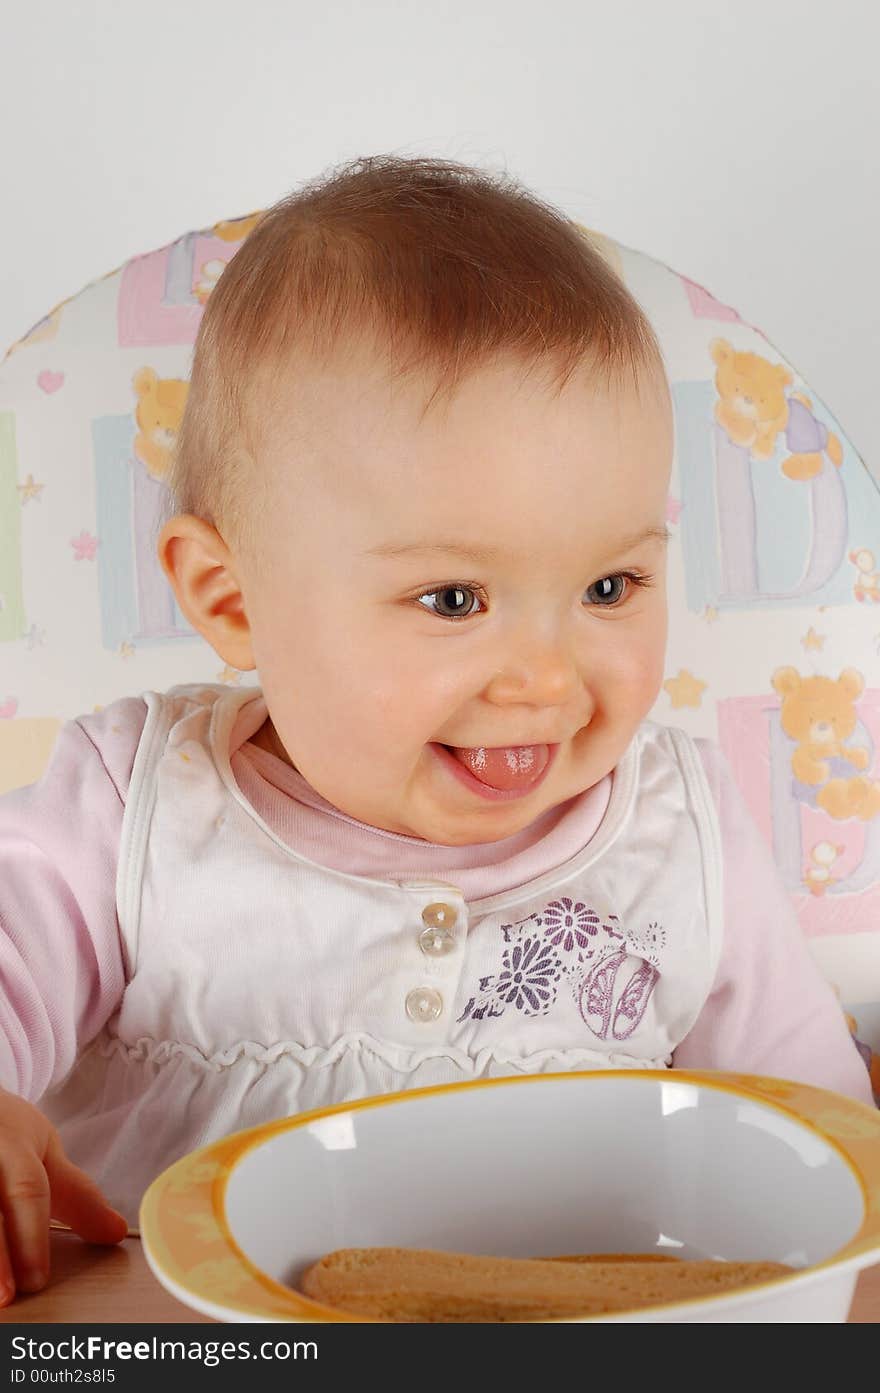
(236, 229)
(817, 876)
(867, 582)
(158, 413)
(209, 274)
(819, 714)
(753, 409)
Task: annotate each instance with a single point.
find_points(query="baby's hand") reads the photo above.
(38, 1183)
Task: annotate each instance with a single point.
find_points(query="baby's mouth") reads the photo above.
(505, 766)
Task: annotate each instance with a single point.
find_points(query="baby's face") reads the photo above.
(469, 581)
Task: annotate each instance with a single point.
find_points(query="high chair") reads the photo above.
(774, 564)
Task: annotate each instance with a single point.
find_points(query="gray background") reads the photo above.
(736, 142)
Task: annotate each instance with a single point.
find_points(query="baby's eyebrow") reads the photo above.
(487, 555)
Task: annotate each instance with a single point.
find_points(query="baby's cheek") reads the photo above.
(645, 673)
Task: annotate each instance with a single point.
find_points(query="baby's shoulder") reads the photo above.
(115, 731)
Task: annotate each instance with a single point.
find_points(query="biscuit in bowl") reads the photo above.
(424, 1285)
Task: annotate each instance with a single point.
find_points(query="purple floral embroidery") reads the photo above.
(530, 971)
(529, 976)
(596, 994)
(597, 999)
(649, 942)
(570, 941)
(484, 1005)
(633, 1000)
(568, 925)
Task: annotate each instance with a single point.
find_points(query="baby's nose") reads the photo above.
(540, 673)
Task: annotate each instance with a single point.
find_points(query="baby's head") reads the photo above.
(421, 485)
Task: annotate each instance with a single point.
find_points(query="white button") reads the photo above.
(423, 1004)
(436, 942)
(439, 916)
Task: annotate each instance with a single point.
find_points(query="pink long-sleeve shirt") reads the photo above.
(61, 967)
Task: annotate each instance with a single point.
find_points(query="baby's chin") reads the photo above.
(480, 828)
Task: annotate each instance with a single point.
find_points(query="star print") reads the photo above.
(126, 650)
(84, 546)
(813, 640)
(29, 489)
(710, 614)
(230, 675)
(685, 689)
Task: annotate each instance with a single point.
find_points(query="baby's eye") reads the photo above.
(607, 591)
(453, 601)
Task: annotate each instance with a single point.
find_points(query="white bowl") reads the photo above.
(692, 1164)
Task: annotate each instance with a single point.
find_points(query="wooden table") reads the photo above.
(115, 1285)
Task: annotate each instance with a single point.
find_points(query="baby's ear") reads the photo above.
(202, 573)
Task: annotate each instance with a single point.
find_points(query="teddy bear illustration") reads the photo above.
(158, 413)
(819, 714)
(867, 583)
(817, 876)
(236, 229)
(753, 409)
(209, 274)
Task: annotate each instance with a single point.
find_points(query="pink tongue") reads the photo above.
(515, 766)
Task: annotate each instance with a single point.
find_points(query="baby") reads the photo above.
(421, 487)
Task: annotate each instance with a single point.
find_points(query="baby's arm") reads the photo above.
(61, 975)
(770, 1010)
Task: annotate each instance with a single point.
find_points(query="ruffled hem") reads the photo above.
(401, 1059)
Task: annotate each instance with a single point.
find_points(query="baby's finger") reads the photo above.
(7, 1276)
(78, 1202)
(24, 1199)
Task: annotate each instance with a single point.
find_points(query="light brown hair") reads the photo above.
(446, 264)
